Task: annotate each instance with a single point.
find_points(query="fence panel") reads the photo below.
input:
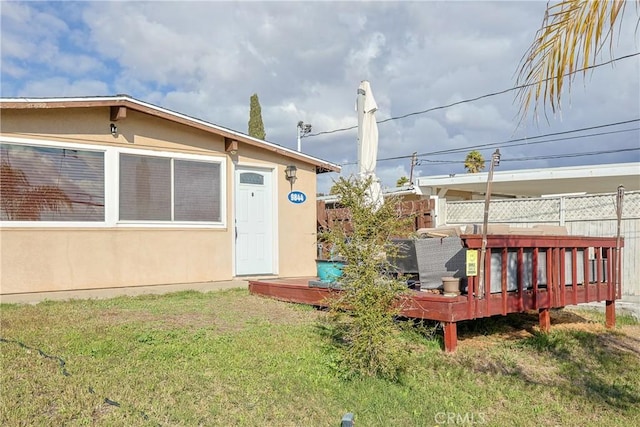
(420, 210)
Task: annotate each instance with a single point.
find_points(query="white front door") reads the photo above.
(254, 222)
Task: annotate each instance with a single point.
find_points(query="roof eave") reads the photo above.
(321, 166)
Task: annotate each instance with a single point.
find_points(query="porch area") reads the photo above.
(521, 273)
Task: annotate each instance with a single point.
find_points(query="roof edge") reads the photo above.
(600, 170)
(321, 165)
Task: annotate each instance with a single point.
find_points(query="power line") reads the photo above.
(566, 156)
(565, 139)
(464, 101)
(547, 157)
(504, 144)
(527, 140)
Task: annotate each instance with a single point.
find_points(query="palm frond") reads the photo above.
(572, 34)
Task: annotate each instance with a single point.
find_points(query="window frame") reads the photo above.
(175, 156)
(62, 146)
(112, 187)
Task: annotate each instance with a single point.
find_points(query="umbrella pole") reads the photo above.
(360, 109)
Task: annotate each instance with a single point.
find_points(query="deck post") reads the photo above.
(545, 320)
(450, 337)
(610, 312)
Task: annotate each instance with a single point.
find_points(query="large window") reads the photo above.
(169, 189)
(59, 184)
(39, 183)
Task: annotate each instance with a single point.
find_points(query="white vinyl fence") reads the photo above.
(589, 215)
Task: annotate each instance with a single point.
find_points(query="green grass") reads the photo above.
(230, 358)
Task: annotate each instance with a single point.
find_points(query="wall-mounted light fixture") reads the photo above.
(231, 146)
(114, 129)
(290, 173)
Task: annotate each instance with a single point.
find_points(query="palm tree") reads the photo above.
(403, 180)
(21, 201)
(573, 32)
(474, 162)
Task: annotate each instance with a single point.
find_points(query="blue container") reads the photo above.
(329, 271)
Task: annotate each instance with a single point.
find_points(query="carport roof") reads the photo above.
(591, 179)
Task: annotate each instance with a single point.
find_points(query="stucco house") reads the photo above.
(102, 192)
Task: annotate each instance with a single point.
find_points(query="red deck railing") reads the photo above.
(522, 273)
(555, 270)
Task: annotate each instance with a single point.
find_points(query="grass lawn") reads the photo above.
(230, 358)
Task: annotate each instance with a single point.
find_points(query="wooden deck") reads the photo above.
(568, 260)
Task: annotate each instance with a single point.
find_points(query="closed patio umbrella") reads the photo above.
(368, 142)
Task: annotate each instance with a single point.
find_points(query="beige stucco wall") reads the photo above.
(62, 259)
(38, 259)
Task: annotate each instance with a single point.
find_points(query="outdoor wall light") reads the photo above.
(290, 173)
(231, 146)
(114, 129)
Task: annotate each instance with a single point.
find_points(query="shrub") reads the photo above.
(363, 313)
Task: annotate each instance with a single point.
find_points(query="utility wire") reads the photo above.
(567, 138)
(464, 101)
(527, 141)
(550, 156)
(565, 156)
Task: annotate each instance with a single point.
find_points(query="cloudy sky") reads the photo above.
(305, 60)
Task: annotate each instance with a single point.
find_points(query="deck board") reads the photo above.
(426, 305)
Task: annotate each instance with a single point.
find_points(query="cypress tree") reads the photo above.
(256, 127)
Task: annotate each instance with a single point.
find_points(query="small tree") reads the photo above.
(403, 180)
(364, 311)
(256, 127)
(474, 162)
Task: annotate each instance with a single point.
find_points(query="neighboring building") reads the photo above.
(581, 199)
(102, 192)
(593, 179)
(528, 183)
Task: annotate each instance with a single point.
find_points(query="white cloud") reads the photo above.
(361, 58)
(59, 86)
(306, 60)
(474, 116)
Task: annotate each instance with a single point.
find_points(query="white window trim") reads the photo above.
(178, 156)
(111, 187)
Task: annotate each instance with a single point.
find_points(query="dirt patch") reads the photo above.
(523, 325)
(225, 314)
